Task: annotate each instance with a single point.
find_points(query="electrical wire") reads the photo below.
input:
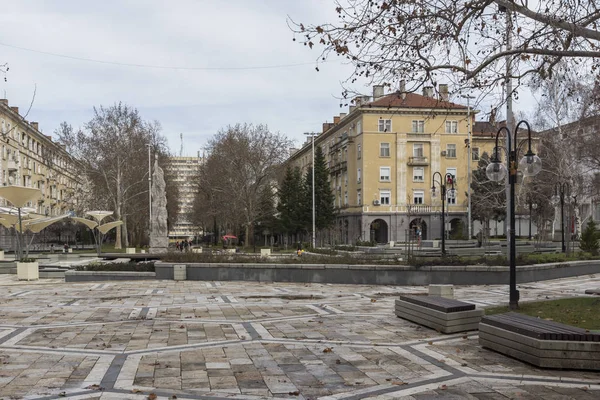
(122, 64)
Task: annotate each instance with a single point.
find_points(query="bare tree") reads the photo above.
(238, 176)
(465, 42)
(113, 154)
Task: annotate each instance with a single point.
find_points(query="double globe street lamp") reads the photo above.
(449, 193)
(530, 165)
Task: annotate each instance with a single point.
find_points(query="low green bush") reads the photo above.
(129, 266)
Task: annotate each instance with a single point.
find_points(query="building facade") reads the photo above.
(184, 170)
(382, 155)
(31, 159)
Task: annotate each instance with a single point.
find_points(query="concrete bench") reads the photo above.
(545, 344)
(441, 314)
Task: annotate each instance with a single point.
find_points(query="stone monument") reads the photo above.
(159, 238)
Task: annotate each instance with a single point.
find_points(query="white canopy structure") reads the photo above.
(18, 196)
(95, 224)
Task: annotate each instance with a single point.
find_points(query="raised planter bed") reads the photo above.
(439, 313)
(88, 276)
(545, 344)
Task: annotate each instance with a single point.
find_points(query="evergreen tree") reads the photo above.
(324, 197)
(293, 214)
(589, 238)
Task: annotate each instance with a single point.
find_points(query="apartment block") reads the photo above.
(30, 158)
(185, 170)
(382, 155)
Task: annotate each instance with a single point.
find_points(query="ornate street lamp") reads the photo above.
(529, 165)
(562, 195)
(448, 179)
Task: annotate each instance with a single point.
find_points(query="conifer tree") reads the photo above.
(293, 214)
(589, 238)
(324, 197)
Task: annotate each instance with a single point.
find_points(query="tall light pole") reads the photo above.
(562, 191)
(313, 189)
(443, 181)
(149, 190)
(530, 165)
(469, 171)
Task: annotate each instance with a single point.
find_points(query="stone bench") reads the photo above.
(543, 343)
(441, 314)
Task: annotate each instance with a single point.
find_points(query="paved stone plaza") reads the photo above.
(247, 340)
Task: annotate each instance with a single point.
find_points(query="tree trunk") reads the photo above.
(124, 232)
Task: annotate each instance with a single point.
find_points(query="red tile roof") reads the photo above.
(413, 100)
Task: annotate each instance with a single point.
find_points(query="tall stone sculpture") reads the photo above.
(159, 239)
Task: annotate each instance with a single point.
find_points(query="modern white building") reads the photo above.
(185, 170)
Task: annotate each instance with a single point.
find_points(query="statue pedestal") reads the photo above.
(157, 250)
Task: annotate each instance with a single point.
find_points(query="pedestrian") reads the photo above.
(177, 245)
(65, 248)
(52, 248)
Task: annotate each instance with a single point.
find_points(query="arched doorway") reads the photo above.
(418, 224)
(457, 230)
(379, 231)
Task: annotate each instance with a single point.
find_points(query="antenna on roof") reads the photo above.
(181, 148)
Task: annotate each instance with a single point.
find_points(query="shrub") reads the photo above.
(589, 238)
(129, 266)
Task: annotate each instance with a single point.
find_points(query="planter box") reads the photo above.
(130, 250)
(197, 250)
(1, 254)
(446, 291)
(265, 252)
(28, 271)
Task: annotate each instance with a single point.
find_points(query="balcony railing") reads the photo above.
(418, 161)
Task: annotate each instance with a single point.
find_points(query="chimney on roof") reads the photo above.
(336, 120)
(378, 92)
(402, 88)
(428, 91)
(15, 109)
(351, 108)
(34, 125)
(342, 115)
(4, 101)
(443, 92)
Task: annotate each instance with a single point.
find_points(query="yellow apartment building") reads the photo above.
(30, 158)
(382, 155)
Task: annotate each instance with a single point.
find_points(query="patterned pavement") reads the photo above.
(248, 340)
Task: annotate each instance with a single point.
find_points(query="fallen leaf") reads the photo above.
(338, 362)
(373, 300)
(327, 350)
(62, 394)
(152, 396)
(443, 387)
(136, 391)
(399, 383)
(94, 387)
(296, 393)
(430, 343)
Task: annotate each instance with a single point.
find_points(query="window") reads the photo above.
(385, 125)
(346, 178)
(418, 174)
(358, 151)
(359, 197)
(418, 197)
(418, 150)
(451, 126)
(359, 127)
(358, 175)
(450, 196)
(384, 197)
(384, 150)
(451, 151)
(384, 174)
(346, 198)
(418, 126)
(475, 153)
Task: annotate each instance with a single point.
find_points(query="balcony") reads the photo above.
(418, 161)
(339, 166)
(11, 165)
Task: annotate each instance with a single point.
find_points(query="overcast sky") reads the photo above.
(190, 34)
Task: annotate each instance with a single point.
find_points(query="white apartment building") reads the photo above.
(185, 171)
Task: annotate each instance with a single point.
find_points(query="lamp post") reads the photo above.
(149, 190)
(562, 191)
(469, 156)
(313, 189)
(530, 165)
(442, 182)
(532, 206)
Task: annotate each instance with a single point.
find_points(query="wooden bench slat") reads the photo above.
(539, 328)
(439, 303)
